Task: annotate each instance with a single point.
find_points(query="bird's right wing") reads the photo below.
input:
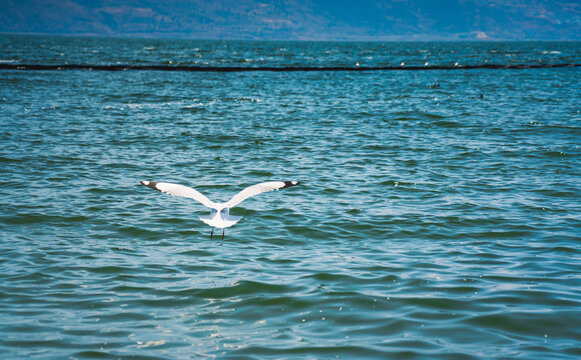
(179, 190)
(259, 189)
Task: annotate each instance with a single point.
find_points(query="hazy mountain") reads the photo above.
(299, 20)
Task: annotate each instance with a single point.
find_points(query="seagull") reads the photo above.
(219, 212)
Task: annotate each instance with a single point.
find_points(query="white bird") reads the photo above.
(220, 212)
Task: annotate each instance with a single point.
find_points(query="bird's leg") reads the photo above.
(212, 234)
(223, 233)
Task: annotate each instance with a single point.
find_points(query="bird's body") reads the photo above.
(219, 212)
(220, 219)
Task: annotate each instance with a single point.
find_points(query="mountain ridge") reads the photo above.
(298, 20)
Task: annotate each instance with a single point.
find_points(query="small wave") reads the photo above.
(447, 124)
(245, 287)
(433, 116)
(349, 279)
(28, 219)
(314, 352)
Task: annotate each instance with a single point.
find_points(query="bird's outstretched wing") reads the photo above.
(258, 189)
(179, 190)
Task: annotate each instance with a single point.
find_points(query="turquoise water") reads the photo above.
(432, 222)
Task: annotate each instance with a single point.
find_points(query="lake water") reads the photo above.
(439, 215)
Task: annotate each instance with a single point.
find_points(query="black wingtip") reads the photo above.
(150, 184)
(290, 183)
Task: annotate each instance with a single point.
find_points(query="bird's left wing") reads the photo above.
(179, 190)
(258, 189)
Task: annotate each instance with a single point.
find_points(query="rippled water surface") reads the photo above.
(438, 216)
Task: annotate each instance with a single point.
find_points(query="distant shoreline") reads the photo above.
(45, 67)
(389, 39)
